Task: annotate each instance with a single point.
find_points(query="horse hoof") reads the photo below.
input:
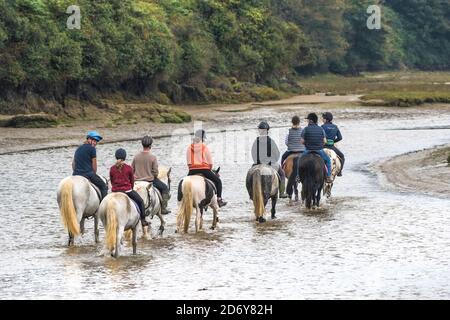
(274, 217)
(261, 220)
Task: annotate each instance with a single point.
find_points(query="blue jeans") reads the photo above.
(324, 156)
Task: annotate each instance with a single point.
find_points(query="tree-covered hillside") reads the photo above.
(179, 48)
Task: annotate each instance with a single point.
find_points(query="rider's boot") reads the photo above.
(144, 222)
(164, 203)
(221, 203)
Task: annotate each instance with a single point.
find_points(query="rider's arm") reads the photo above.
(94, 164)
(275, 151)
(155, 170)
(286, 140)
(208, 157)
(339, 136)
(132, 177)
(73, 164)
(302, 139)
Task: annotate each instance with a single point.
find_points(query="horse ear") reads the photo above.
(149, 186)
(218, 169)
(168, 172)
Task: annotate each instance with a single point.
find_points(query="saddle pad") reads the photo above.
(99, 194)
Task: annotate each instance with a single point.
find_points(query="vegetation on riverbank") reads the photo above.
(403, 89)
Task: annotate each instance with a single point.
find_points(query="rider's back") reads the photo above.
(145, 166)
(83, 160)
(313, 136)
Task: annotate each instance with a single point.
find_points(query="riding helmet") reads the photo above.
(121, 154)
(313, 117)
(147, 141)
(94, 135)
(327, 116)
(200, 133)
(263, 125)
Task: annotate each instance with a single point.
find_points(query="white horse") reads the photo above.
(336, 166)
(200, 193)
(152, 197)
(77, 200)
(118, 213)
(262, 183)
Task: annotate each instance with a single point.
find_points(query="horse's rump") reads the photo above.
(311, 175)
(288, 165)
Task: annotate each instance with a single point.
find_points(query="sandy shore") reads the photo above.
(424, 171)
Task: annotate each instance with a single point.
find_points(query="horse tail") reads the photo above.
(67, 209)
(186, 208)
(111, 225)
(258, 197)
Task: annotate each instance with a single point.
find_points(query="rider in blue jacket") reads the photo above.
(333, 135)
(313, 137)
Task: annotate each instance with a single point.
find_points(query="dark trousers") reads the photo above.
(339, 154)
(161, 186)
(137, 198)
(287, 154)
(95, 179)
(211, 176)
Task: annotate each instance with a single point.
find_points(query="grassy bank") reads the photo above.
(387, 88)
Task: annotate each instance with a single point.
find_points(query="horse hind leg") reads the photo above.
(82, 225)
(201, 218)
(71, 240)
(134, 241)
(197, 218)
(273, 211)
(215, 218)
(96, 231)
(296, 191)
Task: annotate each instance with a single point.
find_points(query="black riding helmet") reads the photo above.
(121, 154)
(263, 125)
(313, 117)
(327, 116)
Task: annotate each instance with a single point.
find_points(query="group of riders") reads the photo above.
(144, 166)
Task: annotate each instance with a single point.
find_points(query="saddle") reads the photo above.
(136, 205)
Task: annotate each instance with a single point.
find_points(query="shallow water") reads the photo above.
(367, 242)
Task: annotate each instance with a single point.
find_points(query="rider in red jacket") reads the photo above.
(122, 180)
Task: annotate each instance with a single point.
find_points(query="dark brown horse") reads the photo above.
(312, 175)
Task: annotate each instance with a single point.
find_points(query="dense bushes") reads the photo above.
(148, 47)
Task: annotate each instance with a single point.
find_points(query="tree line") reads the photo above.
(155, 46)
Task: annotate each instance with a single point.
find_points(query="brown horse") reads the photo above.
(290, 167)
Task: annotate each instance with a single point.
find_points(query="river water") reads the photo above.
(366, 242)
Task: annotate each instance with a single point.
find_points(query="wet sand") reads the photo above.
(424, 171)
